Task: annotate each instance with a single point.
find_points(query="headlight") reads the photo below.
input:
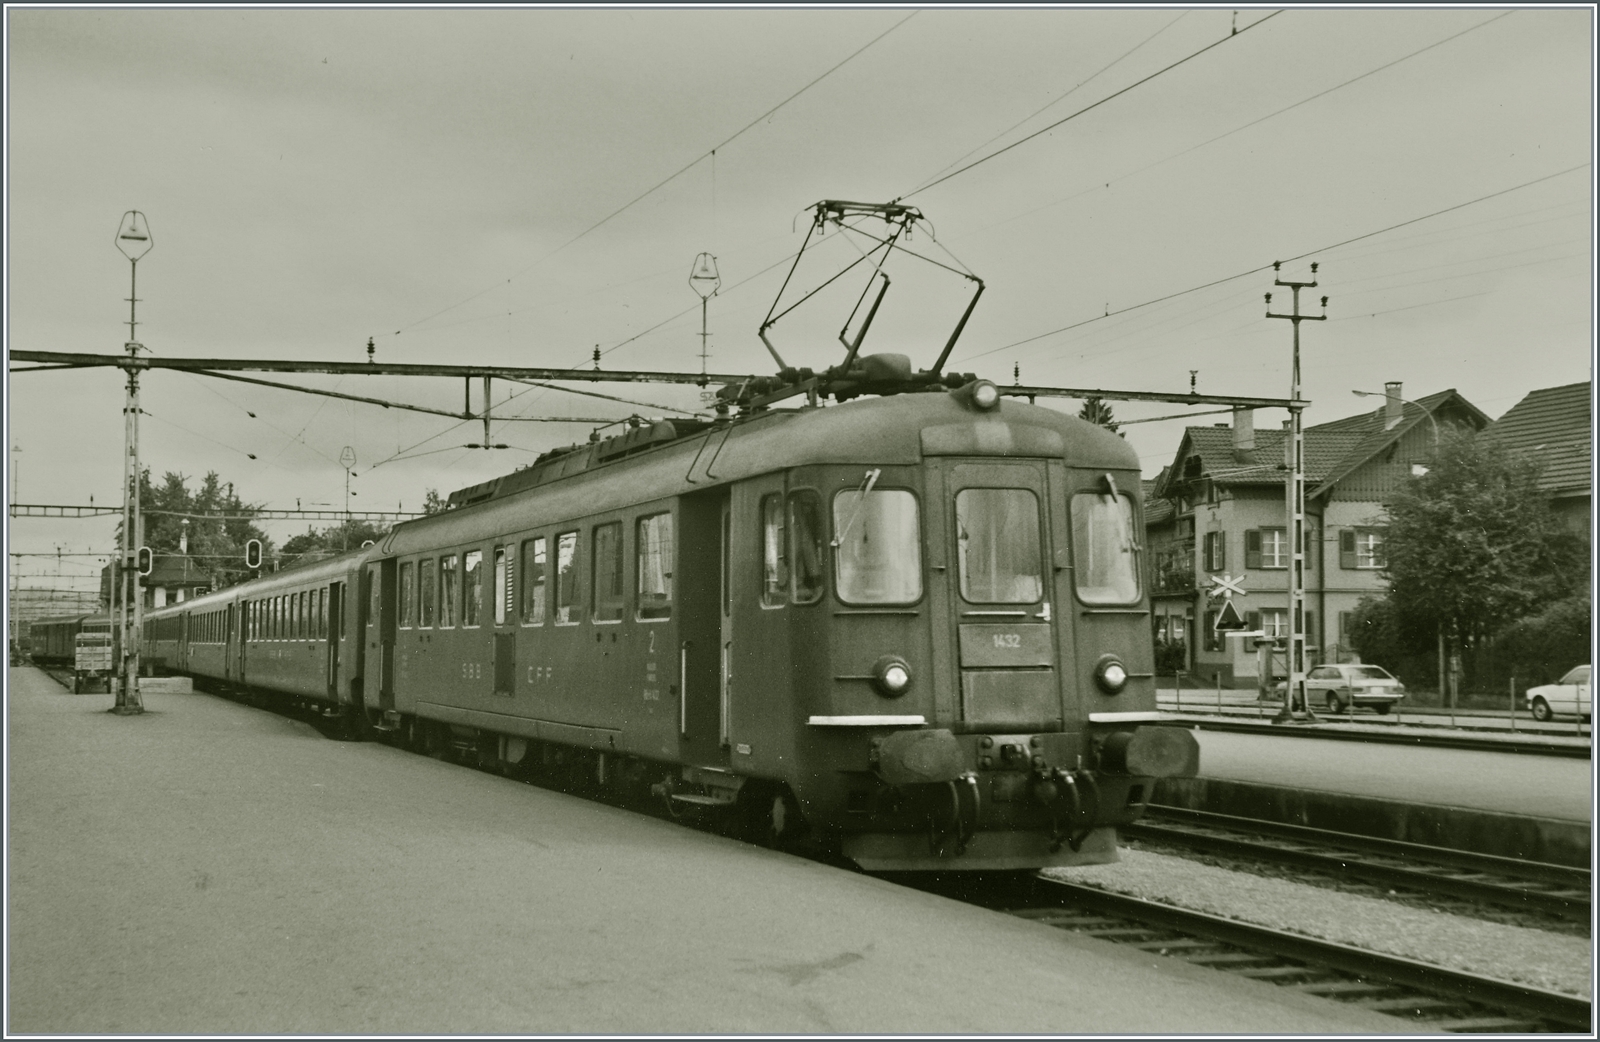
(891, 675)
(1111, 674)
(985, 395)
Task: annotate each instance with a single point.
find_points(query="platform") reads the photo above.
(209, 868)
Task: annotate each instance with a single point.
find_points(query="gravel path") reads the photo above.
(1538, 957)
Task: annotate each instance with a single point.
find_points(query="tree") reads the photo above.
(1097, 412)
(1472, 545)
(335, 539)
(432, 504)
(215, 543)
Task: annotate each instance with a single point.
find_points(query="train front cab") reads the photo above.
(985, 697)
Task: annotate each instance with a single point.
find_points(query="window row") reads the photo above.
(292, 616)
(449, 590)
(208, 627)
(1360, 549)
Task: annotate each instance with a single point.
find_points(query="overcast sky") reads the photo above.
(316, 177)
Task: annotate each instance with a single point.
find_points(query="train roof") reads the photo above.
(313, 573)
(656, 463)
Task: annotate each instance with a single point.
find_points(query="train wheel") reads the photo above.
(770, 816)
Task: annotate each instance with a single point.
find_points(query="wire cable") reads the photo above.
(694, 162)
(1265, 267)
(1057, 101)
(1087, 108)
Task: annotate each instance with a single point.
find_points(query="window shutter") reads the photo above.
(1309, 538)
(1252, 548)
(1252, 620)
(1311, 628)
(1347, 548)
(1210, 634)
(1222, 551)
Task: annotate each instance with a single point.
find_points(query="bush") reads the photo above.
(1171, 656)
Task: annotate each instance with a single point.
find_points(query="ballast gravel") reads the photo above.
(1541, 958)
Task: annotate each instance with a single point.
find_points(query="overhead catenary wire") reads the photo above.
(670, 177)
(1089, 108)
(1252, 123)
(1266, 267)
(1053, 103)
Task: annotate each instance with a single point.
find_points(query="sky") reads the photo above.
(497, 187)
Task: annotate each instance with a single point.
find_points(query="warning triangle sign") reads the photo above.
(1228, 618)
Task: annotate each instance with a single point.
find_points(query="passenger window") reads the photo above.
(533, 581)
(314, 623)
(449, 593)
(502, 587)
(774, 556)
(568, 608)
(472, 588)
(997, 546)
(322, 614)
(427, 592)
(408, 596)
(806, 533)
(608, 572)
(1104, 548)
(654, 546)
(879, 543)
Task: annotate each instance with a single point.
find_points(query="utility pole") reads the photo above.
(1294, 688)
(134, 241)
(705, 281)
(347, 458)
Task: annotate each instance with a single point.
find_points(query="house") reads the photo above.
(1217, 511)
(1552, 426)
(173, 578)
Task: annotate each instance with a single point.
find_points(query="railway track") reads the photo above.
(1433, 998)
(1543, 889)
(1437, 999)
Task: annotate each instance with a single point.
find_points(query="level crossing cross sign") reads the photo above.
(1226, 586)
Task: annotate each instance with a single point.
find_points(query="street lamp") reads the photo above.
(1405, 401)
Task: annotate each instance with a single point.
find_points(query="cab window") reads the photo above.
(878, 539)
(1104, 548)
(997, 543)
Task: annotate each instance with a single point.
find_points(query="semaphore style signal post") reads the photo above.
(1294, 688)
(133, 239)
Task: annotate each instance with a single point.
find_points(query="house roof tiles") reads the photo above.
(1552, 424)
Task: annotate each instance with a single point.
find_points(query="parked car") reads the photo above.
(1353, 684)
(1567, 696)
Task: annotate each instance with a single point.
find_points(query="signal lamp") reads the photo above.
(1111, 674)
(146, 560)
(891, 675)
(252, 554)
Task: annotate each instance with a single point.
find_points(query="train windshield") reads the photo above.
(879, 540)
(1104, 548)
(997, 532)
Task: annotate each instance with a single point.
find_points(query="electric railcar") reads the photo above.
(915, 625)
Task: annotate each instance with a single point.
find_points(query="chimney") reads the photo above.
(1244, 434)
(1393, 408)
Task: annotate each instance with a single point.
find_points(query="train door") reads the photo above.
(504, 613)
(334, 606)
(380, 634)
(244, 638)
(230, 657)
(183, 643)
(702, 677)
(1003, 559)
(756, 619)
